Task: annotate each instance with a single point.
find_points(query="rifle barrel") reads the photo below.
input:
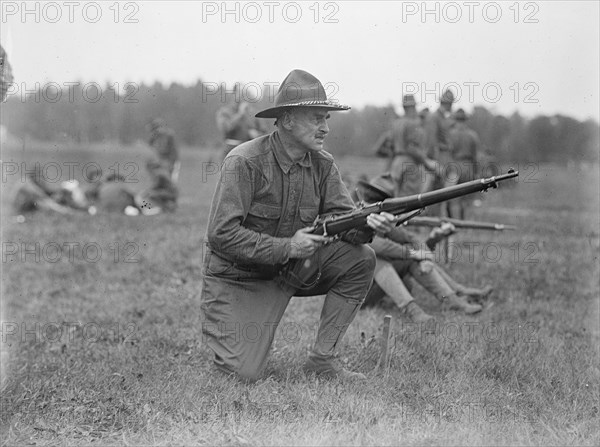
(358, 218)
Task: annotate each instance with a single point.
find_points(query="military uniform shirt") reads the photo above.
(437, 129)
(408, 138)
(163, 142)
(465, 143)
(263, 197)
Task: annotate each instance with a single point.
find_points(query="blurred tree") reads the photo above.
(122, 112)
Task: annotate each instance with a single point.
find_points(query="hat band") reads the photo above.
(314, 103)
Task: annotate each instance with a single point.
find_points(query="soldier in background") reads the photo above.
(162, 141)
(384, 148)
(411, 169)
(237, 123)
(114, 197)
(423, 114)
(437, 141)
(37, 194)
(162, 194)
(6, 76)
(466, 148)
(401, 257)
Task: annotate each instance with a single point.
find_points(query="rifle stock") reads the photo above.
(357, 219)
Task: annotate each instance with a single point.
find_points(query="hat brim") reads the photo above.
(274, 112)
(374, 189)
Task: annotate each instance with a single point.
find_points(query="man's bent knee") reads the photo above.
(362, 258)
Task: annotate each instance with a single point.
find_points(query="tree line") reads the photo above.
(89, 113)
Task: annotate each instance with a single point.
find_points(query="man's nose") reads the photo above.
(324, 127)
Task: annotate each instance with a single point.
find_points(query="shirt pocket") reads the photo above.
(215, 265)
(308, 216)
(263, 218)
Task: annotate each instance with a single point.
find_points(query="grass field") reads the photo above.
(101, 341)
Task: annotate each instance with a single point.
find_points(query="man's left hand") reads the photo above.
(382, 223)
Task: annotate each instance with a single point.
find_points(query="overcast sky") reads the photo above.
(534, 57)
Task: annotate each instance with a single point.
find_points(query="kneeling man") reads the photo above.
(269, 193)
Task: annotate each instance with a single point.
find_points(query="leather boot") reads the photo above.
(330, 368)
(336, 316)
(459, 302)
(416, 314)
(478, 294)
(473, 292)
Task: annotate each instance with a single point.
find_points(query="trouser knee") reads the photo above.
(360, 262)
(425, 267)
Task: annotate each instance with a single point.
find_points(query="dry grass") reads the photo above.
(114, 354)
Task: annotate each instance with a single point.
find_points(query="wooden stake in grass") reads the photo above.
(386, 339)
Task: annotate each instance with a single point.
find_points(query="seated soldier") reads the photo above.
(114, 197)
(92, 184)
(400, 256)
(162, 195)
(72, 195)
(37, 193)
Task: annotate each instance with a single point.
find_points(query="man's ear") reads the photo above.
(286, 120)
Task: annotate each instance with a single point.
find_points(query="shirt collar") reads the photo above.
(282, 157)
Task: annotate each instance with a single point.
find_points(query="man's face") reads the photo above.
(309, 127)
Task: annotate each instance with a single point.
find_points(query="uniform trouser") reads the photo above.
(241, 311)
(468, 172)
(409, 176)
(427, 274)
(447, 174)
(456, 286)
(388, 278)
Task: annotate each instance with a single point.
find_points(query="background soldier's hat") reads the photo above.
(378, 188)
(460, 115)
(408, 100)
(300, 89)
(447, 97)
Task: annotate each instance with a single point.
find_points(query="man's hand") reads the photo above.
(430, 164)
(382, 223)
(447, 228)
(422, 255)
(305, 244)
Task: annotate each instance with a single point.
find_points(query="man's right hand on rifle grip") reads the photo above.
(305, 244)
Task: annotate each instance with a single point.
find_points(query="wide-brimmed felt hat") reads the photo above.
(447, 97)
(300, 89)
(378, 188)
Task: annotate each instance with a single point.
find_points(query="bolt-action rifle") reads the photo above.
(304, 273)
